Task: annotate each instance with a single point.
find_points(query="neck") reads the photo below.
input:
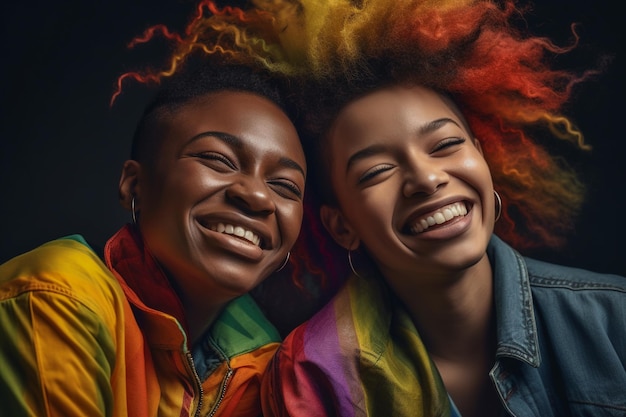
(200, 309)
(454, 315)
(200, 321)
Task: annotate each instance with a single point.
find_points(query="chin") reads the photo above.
(239, 283)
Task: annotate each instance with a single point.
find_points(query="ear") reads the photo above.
(339, 228)
(129, 183)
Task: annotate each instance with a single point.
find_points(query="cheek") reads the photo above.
(169, 200)
(370, 212)
(476, 168)
(290, 222)
(189, 184)
(471, 163)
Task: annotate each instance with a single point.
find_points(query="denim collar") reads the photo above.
(516, 327)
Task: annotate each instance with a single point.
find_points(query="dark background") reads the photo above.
(62, 146)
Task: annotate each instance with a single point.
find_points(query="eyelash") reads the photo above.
(371, 173)
(212, 156)
(292, 188)
(448, 142)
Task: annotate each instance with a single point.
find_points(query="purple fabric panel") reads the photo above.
(323, 348)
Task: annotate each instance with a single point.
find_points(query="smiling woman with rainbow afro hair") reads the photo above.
(475, 51)
(430, 128)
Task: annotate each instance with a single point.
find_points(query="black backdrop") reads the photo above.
(62, 147)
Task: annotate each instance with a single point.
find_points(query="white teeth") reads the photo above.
(238, 231)
(443, 215)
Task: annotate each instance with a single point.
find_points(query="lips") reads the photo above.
(238, 231)
(439, 217)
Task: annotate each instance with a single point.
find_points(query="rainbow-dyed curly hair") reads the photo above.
(476, 51)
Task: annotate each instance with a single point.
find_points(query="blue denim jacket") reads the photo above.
(561, 338)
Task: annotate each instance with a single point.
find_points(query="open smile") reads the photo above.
(441, 216)
(238, 231)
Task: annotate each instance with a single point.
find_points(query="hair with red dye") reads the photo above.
(474, 51)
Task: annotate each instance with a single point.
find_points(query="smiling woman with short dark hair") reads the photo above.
(163, 324)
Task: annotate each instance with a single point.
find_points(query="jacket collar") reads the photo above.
(147, 288)
(516, 327)
(240, 327)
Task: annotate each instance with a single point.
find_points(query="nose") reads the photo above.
(423, 174)
(251, 195)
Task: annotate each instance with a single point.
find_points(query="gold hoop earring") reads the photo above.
(352, 265)
(132, 207)
(284, 263)
(498, 205)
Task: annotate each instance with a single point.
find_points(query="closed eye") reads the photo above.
(216, 157)
(374, 171)
(447, 143)
(286, 188)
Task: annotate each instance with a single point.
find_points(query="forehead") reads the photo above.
(255, 120)
(394, 111)
(393, 104)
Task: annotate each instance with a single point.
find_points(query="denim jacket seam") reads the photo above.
(549, 282)
(531, 342)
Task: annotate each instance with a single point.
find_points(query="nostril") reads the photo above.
(419, 182)
(251, 198)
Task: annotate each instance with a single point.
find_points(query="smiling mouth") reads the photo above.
(441, 216)
(237, 231)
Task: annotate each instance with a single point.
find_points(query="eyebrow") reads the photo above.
(290, 163)
(437, 124)
(364, 153)
(237, 143)
(229, 139)
(429, 127)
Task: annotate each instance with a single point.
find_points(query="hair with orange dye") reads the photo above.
(475, 51)
(472, 51)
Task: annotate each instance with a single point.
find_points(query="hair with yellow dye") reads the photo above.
(475, 51)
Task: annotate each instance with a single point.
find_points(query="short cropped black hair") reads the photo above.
(194, 81)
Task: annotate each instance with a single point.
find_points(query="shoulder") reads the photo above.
(353, 324)
(548, 275)
(316, 363)
(576, 303)
(570, 292)
(66, 267)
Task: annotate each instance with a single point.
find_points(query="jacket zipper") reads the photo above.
(198, 383)
(222, 393)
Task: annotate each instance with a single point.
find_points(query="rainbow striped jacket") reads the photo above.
(80, 339)
(359, 356)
